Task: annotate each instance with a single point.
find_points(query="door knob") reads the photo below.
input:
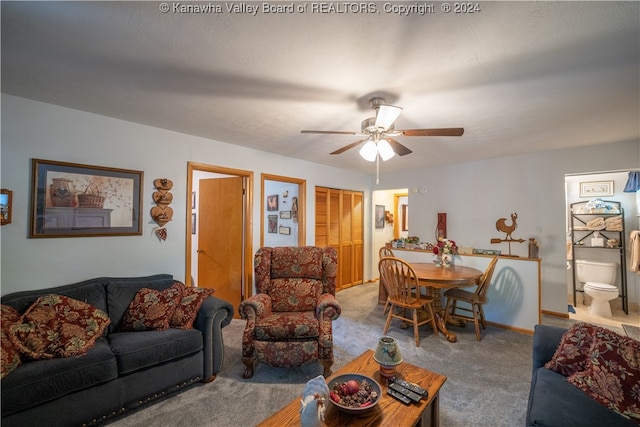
(200, 251)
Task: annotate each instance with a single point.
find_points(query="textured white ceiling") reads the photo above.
(519, 77)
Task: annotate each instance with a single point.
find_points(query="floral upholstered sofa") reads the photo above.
(82, 353)
(289, 318)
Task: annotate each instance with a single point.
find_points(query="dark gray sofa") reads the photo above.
(553, 401)
(123, 370)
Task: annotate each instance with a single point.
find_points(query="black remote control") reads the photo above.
(413, 387)
(410, 394)
(401, 397)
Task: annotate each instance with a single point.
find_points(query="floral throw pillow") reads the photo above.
(10, 355)
(188, 306)
(58, 326)
(151, 310)
(573, 352)
(612, 374)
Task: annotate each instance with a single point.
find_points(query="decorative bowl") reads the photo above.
(375, 387)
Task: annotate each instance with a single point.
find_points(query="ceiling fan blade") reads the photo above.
(433, 132)
(334, 132)
(349, 147)
(387, 115)
(399, 149)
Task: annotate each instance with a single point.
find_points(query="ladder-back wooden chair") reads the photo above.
(474, 299)
(403, 283)
(384, 252)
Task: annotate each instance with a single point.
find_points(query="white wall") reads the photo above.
(37, 130)
(476, 194)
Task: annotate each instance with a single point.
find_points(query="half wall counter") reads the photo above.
(513, 298)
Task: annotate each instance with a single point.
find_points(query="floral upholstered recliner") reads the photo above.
(289, 318)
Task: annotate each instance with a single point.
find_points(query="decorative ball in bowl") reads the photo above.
(354, 393)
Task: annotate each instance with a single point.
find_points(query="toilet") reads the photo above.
(598, 278)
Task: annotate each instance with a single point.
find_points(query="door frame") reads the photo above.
(248, 223)
(302, 193)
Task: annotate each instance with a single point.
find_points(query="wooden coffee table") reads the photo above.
(389, 412)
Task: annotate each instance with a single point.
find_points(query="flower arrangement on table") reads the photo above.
(444, 250)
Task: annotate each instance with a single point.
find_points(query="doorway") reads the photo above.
(283, 223)
(219, 233)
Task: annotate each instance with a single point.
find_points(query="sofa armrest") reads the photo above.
(328, 307)
(545, 342)
(214, 314)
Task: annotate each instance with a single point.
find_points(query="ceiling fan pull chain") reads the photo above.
(377, 168)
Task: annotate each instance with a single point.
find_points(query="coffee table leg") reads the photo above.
(431, 415)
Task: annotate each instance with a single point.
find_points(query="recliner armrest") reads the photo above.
(328, 307)
(256, 306)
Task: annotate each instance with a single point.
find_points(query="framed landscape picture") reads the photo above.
(74, 200)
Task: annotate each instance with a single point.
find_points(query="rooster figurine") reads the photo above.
(501, 225)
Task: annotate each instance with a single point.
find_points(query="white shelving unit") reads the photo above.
(581, 235)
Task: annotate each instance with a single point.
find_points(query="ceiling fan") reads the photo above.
(380, 134)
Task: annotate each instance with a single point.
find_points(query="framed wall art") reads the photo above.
(285, 214)
(379, 216)
(75, 200)
(596, 188)
(273, 223)
(6, 201)
(272, 203)
(285, 230)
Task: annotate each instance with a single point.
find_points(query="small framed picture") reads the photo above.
(272, 202)
(193, 200)
(596, 188)
(272, 223)
(193, 222)
(379, 219)
(285, 230)
(5, 206)
(285, 214)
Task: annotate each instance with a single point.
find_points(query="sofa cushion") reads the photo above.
(572, 353)
(187, 309)
(40, 381)
(555, 402)
(10, 354)
(151, 309)
(139, 350)
(612, 374)
(90, 291)
(58, 326)
(121, 290)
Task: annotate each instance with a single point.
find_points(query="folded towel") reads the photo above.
(613, 223)
(596, 224)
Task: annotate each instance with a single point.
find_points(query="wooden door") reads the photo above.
(221, 236)
(339, 223)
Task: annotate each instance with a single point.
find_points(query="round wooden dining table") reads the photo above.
(435, 278)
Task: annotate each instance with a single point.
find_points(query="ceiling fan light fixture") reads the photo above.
(387, 115)
(369, 151)
(385, 150)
